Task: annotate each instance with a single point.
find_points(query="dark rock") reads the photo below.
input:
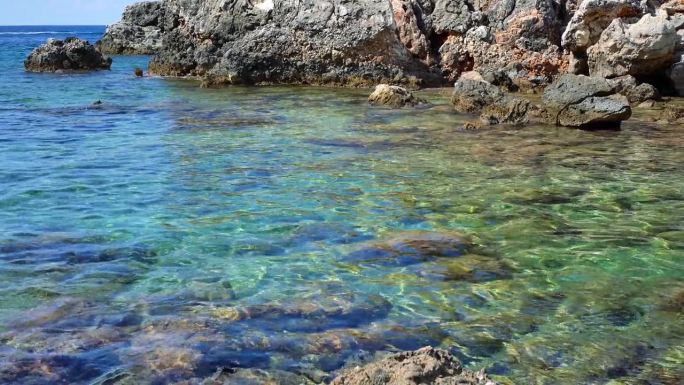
(582, 101)
(140, 30)
(471, 96)
(423, 366)
(636, 93)
(72, 54)
(393, 96)
(139, 72)
(225, 376)
(411, 247)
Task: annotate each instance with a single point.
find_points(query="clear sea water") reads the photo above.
(173, 230)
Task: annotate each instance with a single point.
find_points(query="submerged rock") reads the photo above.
(393, 96)
(582, 101)
(225, 376)
(423, 366)
(71, 54)
(412, 247)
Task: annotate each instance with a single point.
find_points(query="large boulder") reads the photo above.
(140, 30)
(71, 54)
(423, 366)
(586, 102)
(393, 96)
(644, 48)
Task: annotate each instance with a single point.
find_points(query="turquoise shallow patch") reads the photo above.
(174, 229)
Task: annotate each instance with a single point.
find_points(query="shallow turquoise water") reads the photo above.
(174, 230)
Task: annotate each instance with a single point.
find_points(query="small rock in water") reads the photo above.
(139, 72)
(393, 96)
(97, 103)
(423, 366)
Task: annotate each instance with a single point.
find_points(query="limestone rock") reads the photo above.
(343, 43)
(393, 96)
(640, 49)
(582, 101)
(471, 96)
(72, 54)
(509, 110)
(139, 32)
(423, 366)
(594, 16)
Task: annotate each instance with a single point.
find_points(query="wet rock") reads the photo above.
(411, 247)
(476, 268)
(225, 376)
(644, 48)
(471, 96)
(582, 101)
(508, 110)
(139, 72)
(423, 366)
(393, 96)
(71, 54)
(139, 32)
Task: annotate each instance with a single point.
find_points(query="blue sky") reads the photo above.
(61, 12)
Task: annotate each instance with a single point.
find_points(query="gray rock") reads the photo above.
(636, 93)
(592, 17)
(343, 43)
(139, 32)
(423, 366)
(471, 96)
(640, 49)
(582, 101)
(72, 54)
(393, 96)
(509, 110)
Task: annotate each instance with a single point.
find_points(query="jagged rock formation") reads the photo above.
(518, 45)
(424, 366)
(139, 32)
(337, 42)
(72, 54)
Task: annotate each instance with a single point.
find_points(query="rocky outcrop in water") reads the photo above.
(473, 95)
(393, 96)
(71, 54)
(343, 43)
(423, 366)
(582, 101)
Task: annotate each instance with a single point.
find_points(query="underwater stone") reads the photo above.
(423, 366)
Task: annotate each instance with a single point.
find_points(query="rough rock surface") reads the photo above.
(72, 54)
(636, 93)
(393, 96)
(472, 96)
(139, 32)
(337, 42)
(582, 101)
(638, 49)
(424, 366)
